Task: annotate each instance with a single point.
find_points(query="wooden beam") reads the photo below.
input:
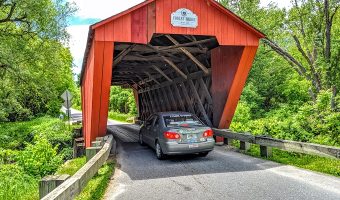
(162, 73)
(194, 75)
(152, 58)
(200, 104)
(151, 77)
(151, 100)
(206, 91)
(179, 98)
(194, 39)
(146, 49)
(143, 109)
(189, 103)
(165, 96)
(174, 67)
(186, 52)
(120, 56)
(159, 100)
(148, 103)
(188, 44)
(172, 98)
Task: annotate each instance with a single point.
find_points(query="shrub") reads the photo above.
(40, 159)
(7, 156)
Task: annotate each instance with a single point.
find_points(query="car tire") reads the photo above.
(159, 153)
(140, 139)
(203, 154)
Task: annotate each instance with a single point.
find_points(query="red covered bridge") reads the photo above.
(186, 55)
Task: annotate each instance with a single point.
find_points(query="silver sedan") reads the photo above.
(174, 133)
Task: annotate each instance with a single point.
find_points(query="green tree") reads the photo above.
(35, 67)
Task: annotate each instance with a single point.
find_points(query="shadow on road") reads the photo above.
(140, 162)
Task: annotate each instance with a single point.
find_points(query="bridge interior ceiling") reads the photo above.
(171, 73)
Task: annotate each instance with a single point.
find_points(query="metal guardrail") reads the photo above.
(266, 143)
(74, 185)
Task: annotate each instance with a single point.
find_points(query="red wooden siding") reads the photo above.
(137, 27)
(237, 85)
(96, 88)
(225, 61)
(211, 21)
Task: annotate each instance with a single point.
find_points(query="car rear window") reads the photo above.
(182, 121)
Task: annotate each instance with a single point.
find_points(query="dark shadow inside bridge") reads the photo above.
(171, 73)
(140, 162)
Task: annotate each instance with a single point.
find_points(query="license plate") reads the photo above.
(193, 146)
(191, 137)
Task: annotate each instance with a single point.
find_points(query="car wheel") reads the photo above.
(203, 154)
(159, 153)
(140, 140)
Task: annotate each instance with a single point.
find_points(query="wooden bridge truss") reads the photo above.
(173, 72)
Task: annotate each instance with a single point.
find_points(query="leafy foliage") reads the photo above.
(40, 158)
(292, 100)
(122, 101)
(35, 67)
(31, 150)
(14, 135)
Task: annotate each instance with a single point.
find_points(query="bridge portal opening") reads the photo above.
(171, 73)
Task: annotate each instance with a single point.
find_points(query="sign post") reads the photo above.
(67, 96)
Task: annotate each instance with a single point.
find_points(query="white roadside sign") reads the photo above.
(67, 96)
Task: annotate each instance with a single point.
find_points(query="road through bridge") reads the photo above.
(223, 174)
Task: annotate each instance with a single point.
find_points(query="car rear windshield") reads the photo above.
(182, 121)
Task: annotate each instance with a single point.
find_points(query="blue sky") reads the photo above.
(73, 21)
(90, 12)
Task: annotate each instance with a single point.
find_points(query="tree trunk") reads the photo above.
(333, 100)
(328, 32)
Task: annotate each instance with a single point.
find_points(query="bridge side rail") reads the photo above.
(96, 156)
(266, 143)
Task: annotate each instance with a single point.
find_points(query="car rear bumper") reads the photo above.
(173, 148)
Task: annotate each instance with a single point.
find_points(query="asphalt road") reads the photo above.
(223, 174)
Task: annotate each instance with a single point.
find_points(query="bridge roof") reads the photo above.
(103, 25)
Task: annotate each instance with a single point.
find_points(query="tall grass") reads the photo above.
(95, 189)
(122, 117)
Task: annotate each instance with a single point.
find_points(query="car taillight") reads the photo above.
(208, 133)
(171, 135)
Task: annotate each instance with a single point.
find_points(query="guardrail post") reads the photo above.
(49, 183)
(266, 151)
(101, 139)
(228, 141)
(244, 146)
(96, 144)
(78, 147)
(91, 151)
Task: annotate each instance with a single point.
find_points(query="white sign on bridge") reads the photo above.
(184, 18)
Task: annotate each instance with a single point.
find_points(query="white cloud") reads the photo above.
(77, 44)
(102, 8)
